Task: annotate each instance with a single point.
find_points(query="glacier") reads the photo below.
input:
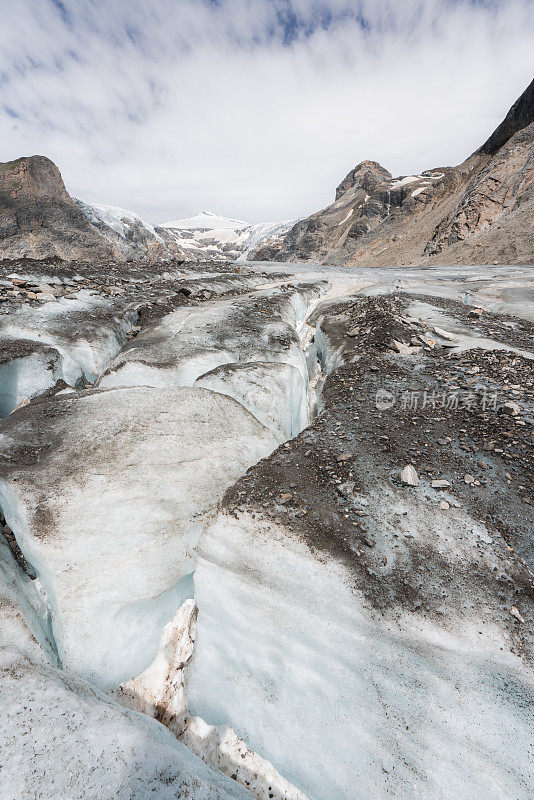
(63, 738)
(115, 576)
(219, 586)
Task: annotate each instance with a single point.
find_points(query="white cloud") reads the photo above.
(255, 108)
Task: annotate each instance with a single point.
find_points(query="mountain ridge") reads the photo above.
(38, 217)
(480, 211)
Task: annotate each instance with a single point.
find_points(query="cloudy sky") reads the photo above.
(253, 108)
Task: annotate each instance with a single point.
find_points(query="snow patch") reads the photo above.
(404, 181)
(351, 211)
(434, 176)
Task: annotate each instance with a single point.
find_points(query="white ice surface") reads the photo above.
(191, 341)
(23, 615)
(395, 184)
(62, 739)
(111, 518)
(404, 181)
(158, 692)
(262, 233)
(344, 700)
(500, 289)
(87, 331)
(219, 236)
(465, 337)
(28, 376)
(275, 393)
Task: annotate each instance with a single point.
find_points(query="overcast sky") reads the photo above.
(255, 109)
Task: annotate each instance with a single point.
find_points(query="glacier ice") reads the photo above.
(274, 393)
(290, 670)
(62, 738)
(118, 219)
(159, 692)
(25, 619)
(68, 340)
(26, 374)
(210, 235)
(263, 326)
(347, 701)
(110, 517)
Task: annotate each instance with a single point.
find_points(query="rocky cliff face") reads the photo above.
(38, 217)
(478, 212)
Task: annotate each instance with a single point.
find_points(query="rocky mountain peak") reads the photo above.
(38, 217)
(366, 175)
(479, 212)
(36, 176)
(520, 116)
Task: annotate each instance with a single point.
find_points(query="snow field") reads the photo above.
(210, 234)
(118, 219)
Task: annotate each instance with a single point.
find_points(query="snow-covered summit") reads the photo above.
(207, 220)
(209, 235)
(205, 235)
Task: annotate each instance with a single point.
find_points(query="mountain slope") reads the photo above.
(478, 212)
(39, 219)
(125, 230)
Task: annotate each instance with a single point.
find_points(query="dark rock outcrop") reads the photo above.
(367, 175)
(520, 116)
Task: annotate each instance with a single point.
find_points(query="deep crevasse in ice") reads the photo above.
(112, 580)
(113, 570)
